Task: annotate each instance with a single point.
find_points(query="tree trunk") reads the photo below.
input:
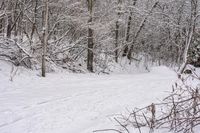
(9, 20)
(45, 39)
(130, 51)
(1, 25)
(190, 34)
(9, 25)
(128, 31)
(34, 19)
(90, 55)
(117, 32)
(2, 18)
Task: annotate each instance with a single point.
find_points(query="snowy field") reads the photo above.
(74, 103)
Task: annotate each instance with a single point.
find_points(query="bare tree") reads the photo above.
(190, 33)
(141, 26)
(125, 52)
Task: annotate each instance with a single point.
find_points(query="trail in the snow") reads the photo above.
(75, 103)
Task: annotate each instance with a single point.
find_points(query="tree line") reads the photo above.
(92, 34)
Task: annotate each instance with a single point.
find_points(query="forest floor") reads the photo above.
(75, 103)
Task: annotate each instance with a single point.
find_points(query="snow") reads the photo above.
(74, 103)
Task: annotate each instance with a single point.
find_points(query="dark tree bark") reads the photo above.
(90, 55)
(9, 27)
(116, 40)
(45, 37)
(1, 25)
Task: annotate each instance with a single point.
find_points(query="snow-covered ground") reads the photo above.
(74, 103)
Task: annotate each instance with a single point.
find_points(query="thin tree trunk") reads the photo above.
(116, 40)
(129, 56)
(190, 34)
(9, 20)
(117, 32)
(1, 25)
(90, 55)
(16, 17)
(9, 24)
(128, 31)
(2, 18)
(45, 34)
(34, 21)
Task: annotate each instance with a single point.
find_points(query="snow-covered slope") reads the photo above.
(74, 103)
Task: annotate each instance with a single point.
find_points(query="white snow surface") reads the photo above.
(74, 103)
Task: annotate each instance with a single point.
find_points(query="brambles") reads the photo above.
(179, 112)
